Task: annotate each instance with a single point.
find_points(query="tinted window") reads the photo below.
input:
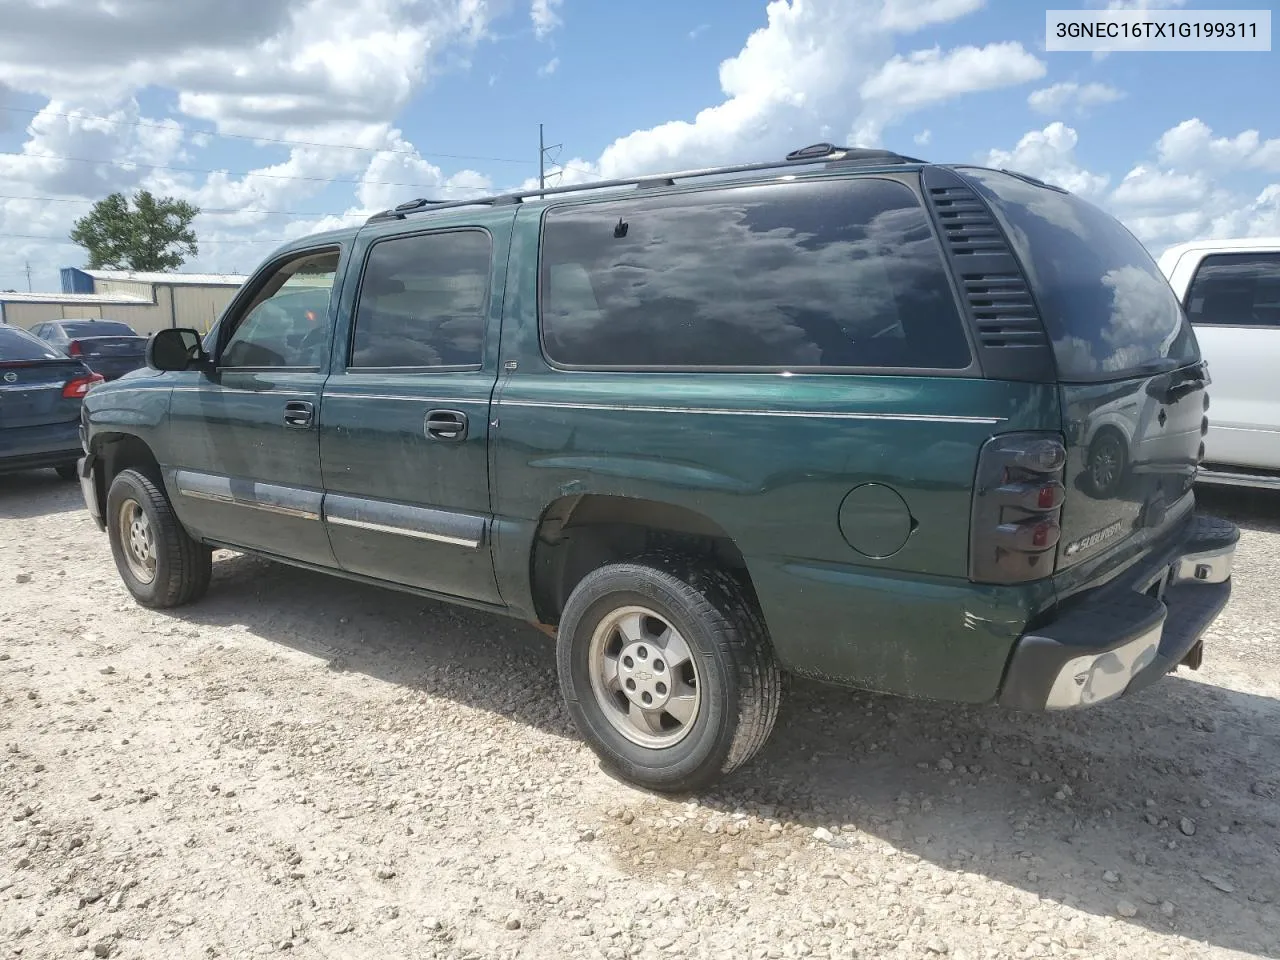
(841, 273)
(16, 344)
(1108, 309)
(287, 324)
(422, 301)
(97, 328)
(1241, 289)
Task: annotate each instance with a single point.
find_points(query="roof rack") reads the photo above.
(827, 153)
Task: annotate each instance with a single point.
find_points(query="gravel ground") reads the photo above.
(301, 764)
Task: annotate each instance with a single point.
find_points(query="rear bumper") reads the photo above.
(1126, 635)
(50, 445)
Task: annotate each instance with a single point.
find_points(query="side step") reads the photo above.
(1215, 475)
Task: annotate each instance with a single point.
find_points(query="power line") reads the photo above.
(199, 240)
(253, 139)
(231, 173)
(203, 210)
(284, 141)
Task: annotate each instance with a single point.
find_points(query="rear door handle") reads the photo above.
(299, 413)
(447, 425)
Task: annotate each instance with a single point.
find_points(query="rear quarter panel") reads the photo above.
(770, 459)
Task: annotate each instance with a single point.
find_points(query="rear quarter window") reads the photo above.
(829, 274)
(1108, 310)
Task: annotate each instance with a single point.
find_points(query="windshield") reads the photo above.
(1108, 309)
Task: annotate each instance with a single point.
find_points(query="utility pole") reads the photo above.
(543, 150)
(28, 266)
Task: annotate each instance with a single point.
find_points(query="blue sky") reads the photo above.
(445, 97)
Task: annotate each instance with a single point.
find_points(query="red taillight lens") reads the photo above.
(74, 349)
(80, 386)
(1017, 506)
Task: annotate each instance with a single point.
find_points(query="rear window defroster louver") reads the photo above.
(1002, 313)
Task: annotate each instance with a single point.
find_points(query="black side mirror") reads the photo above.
(176, 349)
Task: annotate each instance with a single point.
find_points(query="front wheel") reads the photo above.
(67, 471)
(158, 560)
(667, 670)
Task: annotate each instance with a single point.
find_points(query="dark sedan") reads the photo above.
(41, 391)
(108, 347)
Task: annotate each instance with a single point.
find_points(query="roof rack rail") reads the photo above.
(827, 153)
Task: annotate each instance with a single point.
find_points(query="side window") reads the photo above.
(1236, 289)
(287, 323)
(843, 273)
(423, 301)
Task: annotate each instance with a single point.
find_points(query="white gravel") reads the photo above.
(302, 765)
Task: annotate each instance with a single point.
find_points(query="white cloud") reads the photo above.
(699, 30)
(1192, 143)
(550, 67)
(1144, 4)
(816, 70)
(60, 138)
(248, 65)
(545, 15)
(1072, 97)
(923, 137)
(1050, 155)
(330, 71)
(910, 15)
(1146, 186)
(930, 76)
(1181, 196)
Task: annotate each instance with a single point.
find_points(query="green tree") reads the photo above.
(151, 235)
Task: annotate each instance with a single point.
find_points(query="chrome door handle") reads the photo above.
(447, 425)
(299, 413)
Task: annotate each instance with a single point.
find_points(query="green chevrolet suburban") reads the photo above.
(922, 429)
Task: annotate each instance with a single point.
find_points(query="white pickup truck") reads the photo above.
(1231, 292)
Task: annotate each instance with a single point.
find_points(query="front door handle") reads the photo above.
(448, 425)
(298, 413)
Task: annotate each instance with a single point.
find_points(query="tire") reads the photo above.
(1107, 463)
(67, 471)
(181, 567)
(736, 683)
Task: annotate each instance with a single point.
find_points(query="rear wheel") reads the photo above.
(158, 560)
(67, 471)
(667, 671)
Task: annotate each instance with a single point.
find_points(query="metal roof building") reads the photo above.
(146, 301)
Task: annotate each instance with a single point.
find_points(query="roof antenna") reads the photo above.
(621, 229)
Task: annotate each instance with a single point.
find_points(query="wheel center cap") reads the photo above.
(645, 676)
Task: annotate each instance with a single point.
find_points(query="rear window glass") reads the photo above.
(1236, 289)
(840, 273)
(97, 328)
(1108, 309)
(17, 344)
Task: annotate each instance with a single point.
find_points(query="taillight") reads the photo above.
(80, 386)
(74, 349)
(1017, 508)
